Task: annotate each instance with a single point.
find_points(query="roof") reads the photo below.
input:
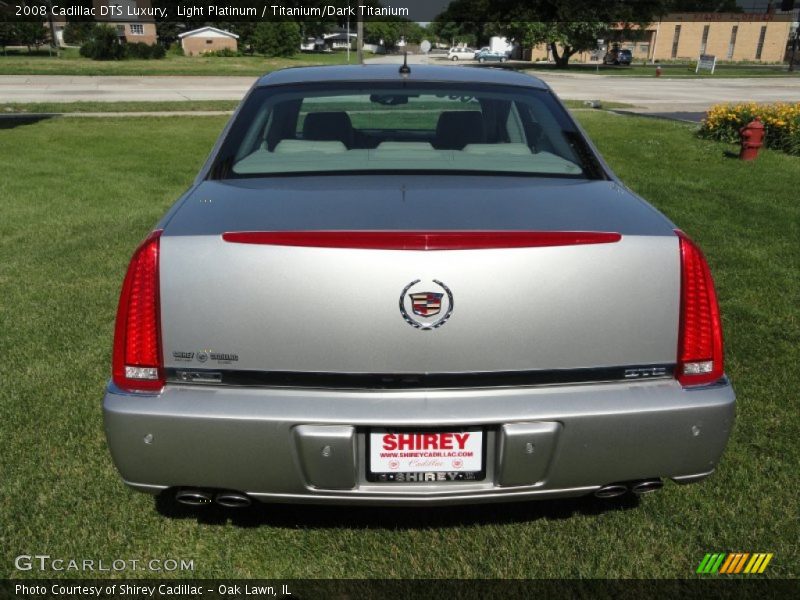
(207, 28)
(445, 74)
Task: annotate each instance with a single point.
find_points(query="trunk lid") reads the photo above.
(267, 308)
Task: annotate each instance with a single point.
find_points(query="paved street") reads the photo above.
(64, 88)
(663, 94)
(649, 94)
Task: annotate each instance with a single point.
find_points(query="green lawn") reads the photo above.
(75, 203)
(106, 107)
(71, 63)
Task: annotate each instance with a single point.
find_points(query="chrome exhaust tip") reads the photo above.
(193, 497)
(647, 486)
(611, 491)
(232, 500)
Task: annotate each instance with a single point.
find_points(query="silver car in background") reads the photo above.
(461, 53)
(411, 288)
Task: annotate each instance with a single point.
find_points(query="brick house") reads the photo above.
(750, 37)
(129, 28)
(208, 39)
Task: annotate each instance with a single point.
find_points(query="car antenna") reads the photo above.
(405, 70)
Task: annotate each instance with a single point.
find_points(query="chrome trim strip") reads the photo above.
(402, 381)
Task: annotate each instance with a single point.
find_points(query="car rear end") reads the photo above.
(412, 337)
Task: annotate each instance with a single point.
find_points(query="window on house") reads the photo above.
(137, 29)
(760, 46)
(675, 39)
(209, 41)
(704, 41)
(732, 43)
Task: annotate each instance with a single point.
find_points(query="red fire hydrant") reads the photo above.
(752, 139)
(658, 70)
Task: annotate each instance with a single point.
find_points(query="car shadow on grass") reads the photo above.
(293, 516)
(10, 121)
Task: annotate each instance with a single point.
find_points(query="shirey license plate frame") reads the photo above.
(432, 476)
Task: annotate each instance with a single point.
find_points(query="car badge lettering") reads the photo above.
(425, 304)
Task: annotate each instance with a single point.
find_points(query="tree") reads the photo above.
(31, 33)
(455, 33)
(279, 38)
(564, 38)
(566, 26)
(77, 32)
(103, 44)
(464, 22)
(391, 31)
(8, 34)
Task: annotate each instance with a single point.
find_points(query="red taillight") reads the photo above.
(138, 363)
(700, 357)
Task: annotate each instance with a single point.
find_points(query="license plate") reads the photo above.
(425, 456)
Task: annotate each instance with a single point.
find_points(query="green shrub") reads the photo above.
(144, 51)
(279, 38)
(224, 53)
(103, 44)
(137, 50)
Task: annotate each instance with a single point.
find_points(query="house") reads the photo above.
(339, 40)
(122, 15)
(208, 39)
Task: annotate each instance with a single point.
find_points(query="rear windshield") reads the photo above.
(403, 126)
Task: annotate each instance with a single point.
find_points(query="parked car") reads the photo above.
(424, 287)
(618, 56)
(461, 54)
(491, 56)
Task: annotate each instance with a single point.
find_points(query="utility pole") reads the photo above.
(53, 40)
(360, 36)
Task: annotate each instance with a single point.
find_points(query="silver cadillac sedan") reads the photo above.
(424, 287)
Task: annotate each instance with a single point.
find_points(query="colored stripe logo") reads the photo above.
(734, 563)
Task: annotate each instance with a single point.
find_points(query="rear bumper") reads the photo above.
(555, 441)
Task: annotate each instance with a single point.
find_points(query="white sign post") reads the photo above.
(706, 61)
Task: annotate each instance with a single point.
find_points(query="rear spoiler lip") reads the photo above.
(421, 240)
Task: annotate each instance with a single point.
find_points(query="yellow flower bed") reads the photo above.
(781, 123)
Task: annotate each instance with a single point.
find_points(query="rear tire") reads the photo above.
(481, 60)
(502, 60)
(454, 59)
